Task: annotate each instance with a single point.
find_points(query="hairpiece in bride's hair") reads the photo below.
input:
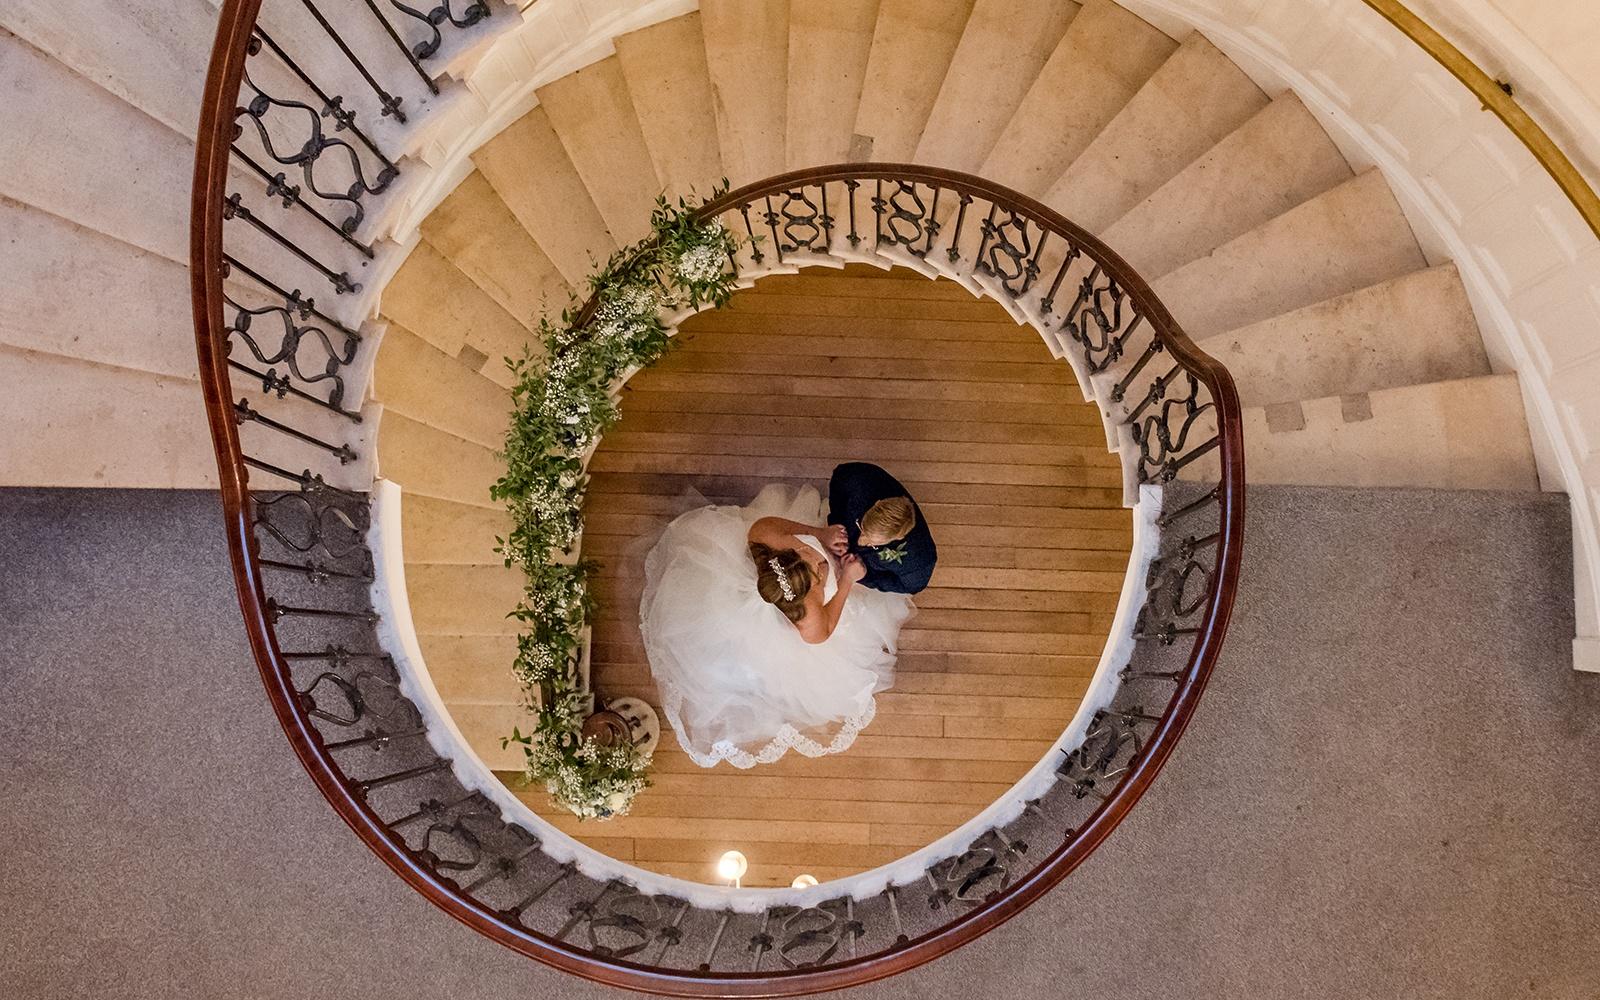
(783, 580)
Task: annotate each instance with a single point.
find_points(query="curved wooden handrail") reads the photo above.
(208, 271)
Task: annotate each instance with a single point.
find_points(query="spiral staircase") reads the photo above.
(987, 194)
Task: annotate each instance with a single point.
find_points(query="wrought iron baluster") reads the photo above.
(278, 186)
(761, 943)
(405, 50)
(850, 187)
(716, 941)
(954, 250)
(477, 11)
(332, 107)
(387, 101)
(279, 385)
(771, 219)
(243, 412)
(383, 781)
(293, 301)
(755, 247)
(515, 911)
(234, 208)
(1209, 497)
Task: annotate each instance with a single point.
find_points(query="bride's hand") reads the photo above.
(836, 539)
(852, 569)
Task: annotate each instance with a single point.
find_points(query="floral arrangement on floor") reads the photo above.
(562, 404)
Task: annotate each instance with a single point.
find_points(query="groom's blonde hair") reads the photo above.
(890, 519)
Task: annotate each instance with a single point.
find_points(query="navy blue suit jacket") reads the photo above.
(854, 488)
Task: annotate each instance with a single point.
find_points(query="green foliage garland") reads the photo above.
(562, 404)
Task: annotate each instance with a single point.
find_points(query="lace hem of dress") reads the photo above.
(788, 738)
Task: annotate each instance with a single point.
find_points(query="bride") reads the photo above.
(759, 637)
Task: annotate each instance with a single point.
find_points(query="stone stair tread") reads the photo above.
(424, 459)
(1414, 329)
(475, 230)
(1003, 46)
(829, 42)
(417, 379)
(912, 44)
(1462, 434)
(1187, 106)
(670, 87)
(592, 113)
(1279, 158)
(1105, 56)
(435, 530)
(530, 171)
(1349, 237)
(747, 56)
(432, 298)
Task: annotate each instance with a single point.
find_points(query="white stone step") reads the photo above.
(829, 41)
(1278, 159)
(747, 55)
(436, 463)
(1187, 106)
(93, 425)
(484, 724)
(1415, 329)
(531, 173)
(670, 86)
(912, 44)
(475, 230)
(1349, 237)
(458, 599)
(139, 195)
(472, 669)
(96, 425)
(1002, 49)
(593, 115)
(415, 379)
(152, 55)
(1104, 58)
(138, 316)
(1464, 434)
(433, 299)
(442, 531)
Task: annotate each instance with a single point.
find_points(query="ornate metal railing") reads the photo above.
(302, 569)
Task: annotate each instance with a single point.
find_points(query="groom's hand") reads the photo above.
(853, 569)
(836, 539)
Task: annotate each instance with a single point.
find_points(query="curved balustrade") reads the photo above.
(303, 569)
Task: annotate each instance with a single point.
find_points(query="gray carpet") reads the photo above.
(1389, 790)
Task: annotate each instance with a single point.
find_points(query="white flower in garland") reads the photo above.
(625, 314)
(701, 265)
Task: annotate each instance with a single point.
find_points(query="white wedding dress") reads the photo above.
(737, 682)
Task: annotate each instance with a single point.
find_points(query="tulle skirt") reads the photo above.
(737, 682)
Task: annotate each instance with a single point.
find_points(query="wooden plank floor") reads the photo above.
(1010, 468)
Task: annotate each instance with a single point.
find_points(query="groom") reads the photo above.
(876, 520)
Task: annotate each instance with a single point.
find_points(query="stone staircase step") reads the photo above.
(44, 310)
(414, 378)
(529, 169)
(426, 460)
(1278, 159)
(1003, 47)
(472, 668)
(432, 298)
(62, 168)
(457, 599)
(912, 44)
(592, 113)
(829, 42)
(670, 87)
(477, 233)
(747, 56)
(1463, 434)
(1350, 237)
(1187, 106)
(94, 39)
(1104, 58)
(1411, 330)
(443, 531)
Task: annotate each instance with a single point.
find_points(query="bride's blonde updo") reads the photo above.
(774, 567)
